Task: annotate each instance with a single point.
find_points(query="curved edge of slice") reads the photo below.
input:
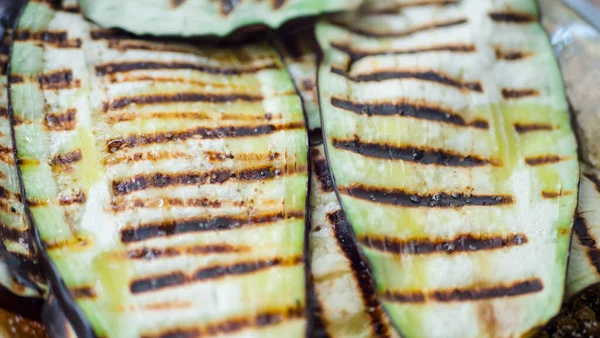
(220, 18)
(56, 322)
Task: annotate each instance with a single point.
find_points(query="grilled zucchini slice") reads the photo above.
(19, 269)
(448, 135)
(203, 17)
(168, 182)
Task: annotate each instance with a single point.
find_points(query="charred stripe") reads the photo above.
(408, 32)
(181, 98)
(61, 122)
(582, 231)
(114, 145)
(171, 228)
(14, 235)
(156, 253)
(468, 294)
(425, 156)
(321, 170)
(82, 292)
(511, 55)
(556, 194)
(161, 180)
(523, 128)
(54, 38)
(408, 199)
(60, 79)
(343, 233)
(512, 17)
(176, 3)
(67, 159)
(123, 67)
(356, 54)
(408, 109)
(509, 93)
(544, 160)
(429, 76)
(209, 273)
(459, 244)
(78, 198)
(233, 325)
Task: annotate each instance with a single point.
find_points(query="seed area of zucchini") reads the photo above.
(183, 171)
(204, 17)
(449, 139)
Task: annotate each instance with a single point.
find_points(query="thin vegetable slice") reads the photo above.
(19, 269)
(204, 17)
(346, 303)
(448, 135)
(168, 182)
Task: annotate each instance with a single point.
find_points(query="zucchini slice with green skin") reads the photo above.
(19, 270)
(204, 17)
(168, 182)
(448, 135)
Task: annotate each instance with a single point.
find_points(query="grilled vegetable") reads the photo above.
(168, 182)
(204, 17)
(346, 303)
(19, 270)
(346, 296)
(448, 135)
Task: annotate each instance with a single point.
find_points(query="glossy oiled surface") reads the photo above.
(448, 134)
(168, 182)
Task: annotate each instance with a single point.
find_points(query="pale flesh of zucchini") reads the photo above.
(168, 182)
(448, 135)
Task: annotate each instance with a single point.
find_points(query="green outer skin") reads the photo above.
(393, 272)
(93, 253)
(202, 17)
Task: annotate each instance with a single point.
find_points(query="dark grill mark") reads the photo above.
(594, 180)
(206, 133)
(232, 325)
(3, 112)
(508, 93)
(67, 159)
(16, 79)
(420, 111)
(123, 67)
(582, 231)
(61, 79)
(78, 198)
(321, 170)
(62, 122)
(122, 205)
(417, 29)
(511, 55)
(315, 136)
(423, 156)
(161, 180)
(438, 200)
(512, 17)
(228, 5)
(14, 235)
(543, 160)
(83, 292)
(171, 228)
(468, 294)
(176, 3)
(34, 203)
(523, 128)
(345, 239)
(155, 253)
(462, 243)
(181, 98)
(430, 76)
(356, 54)
(56, 39)
(214, 272)
(556, 194)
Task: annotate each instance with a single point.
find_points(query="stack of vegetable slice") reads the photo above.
(168, 182)
(448, 135)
